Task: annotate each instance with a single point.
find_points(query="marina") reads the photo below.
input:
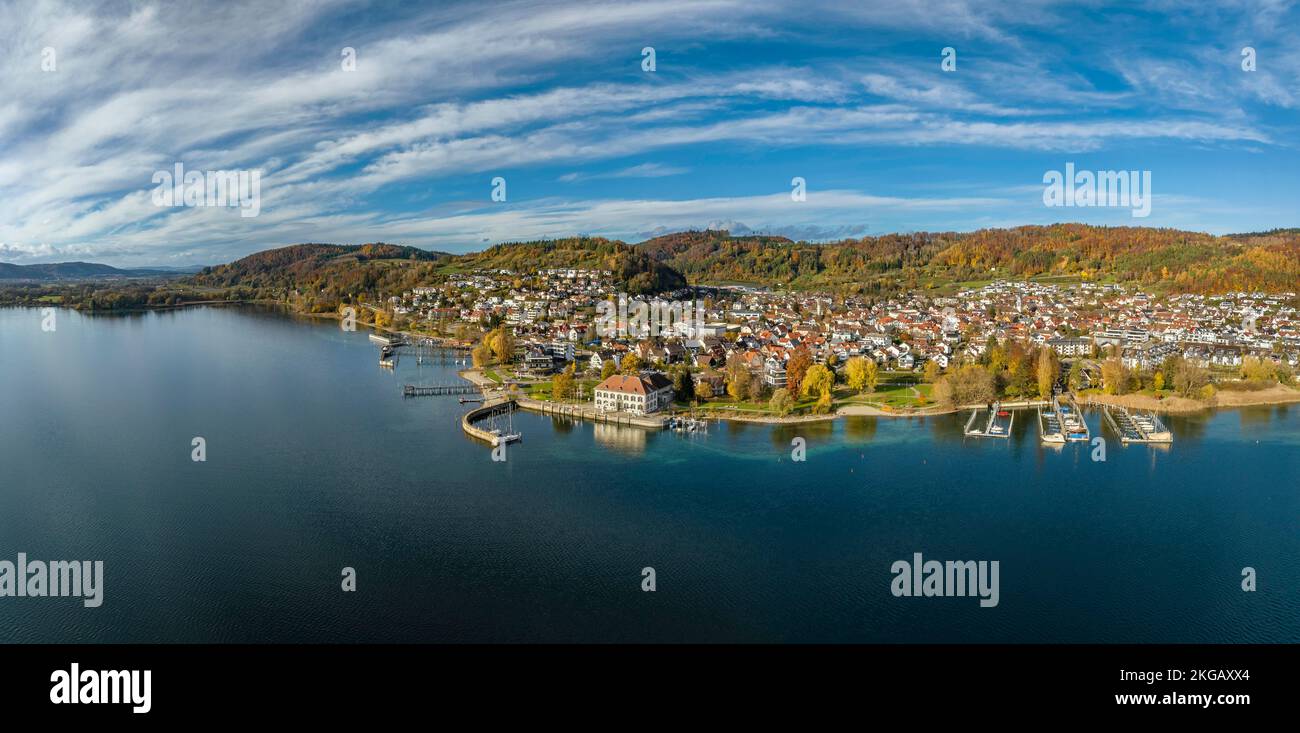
(473, 423)
(997, 425)
(1141, 427)
(1049, 427)
(687, 425)
(1072, 425)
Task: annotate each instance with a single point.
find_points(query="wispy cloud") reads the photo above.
(644, 170)
(444, 98)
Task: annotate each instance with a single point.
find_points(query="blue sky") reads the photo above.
(746, 95)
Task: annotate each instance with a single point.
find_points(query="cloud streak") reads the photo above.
(552, 96)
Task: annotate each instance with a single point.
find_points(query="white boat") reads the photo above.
(510, 436)
(1049, 427)
(1155, 430)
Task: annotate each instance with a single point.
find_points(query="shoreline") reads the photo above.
(1276, 395)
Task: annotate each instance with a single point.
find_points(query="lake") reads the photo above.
(315, 462)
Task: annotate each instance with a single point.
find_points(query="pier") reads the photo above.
(412, 390)
(386, 340)
(1073, 426)
(1140, 428)
(993, 426)
(1049, 427)
(488, 412)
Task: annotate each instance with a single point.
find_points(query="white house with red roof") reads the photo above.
(634, 393)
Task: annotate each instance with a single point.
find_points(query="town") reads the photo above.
(749, 351)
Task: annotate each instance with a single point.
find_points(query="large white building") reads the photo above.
(634, 393)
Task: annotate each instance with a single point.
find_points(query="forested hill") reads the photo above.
(633, 267)
(1152, 257)
(321, 276)
(306, 260)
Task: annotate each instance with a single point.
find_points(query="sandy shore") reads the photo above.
(1275, 395)
(873, 411)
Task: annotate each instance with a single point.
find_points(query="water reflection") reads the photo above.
(860, 429)
(629, 441)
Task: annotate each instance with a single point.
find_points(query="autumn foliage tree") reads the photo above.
(796, 368)
(817, 380)
(969, 385)
(1049, 367)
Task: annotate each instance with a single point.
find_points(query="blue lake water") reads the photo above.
(315, 462)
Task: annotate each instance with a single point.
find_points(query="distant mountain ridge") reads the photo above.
(1158, 258)
(56, 271)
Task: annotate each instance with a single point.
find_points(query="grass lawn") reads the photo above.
(542, 390)
(888, 395)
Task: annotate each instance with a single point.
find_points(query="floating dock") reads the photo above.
(1049, 427)
(1137, 428)
(995, 426)
(1073, 426)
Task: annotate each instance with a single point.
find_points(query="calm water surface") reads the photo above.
(315, 462)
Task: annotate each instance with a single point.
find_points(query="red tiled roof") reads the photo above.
(633, 384)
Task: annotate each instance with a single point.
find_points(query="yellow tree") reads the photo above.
(1114, 376)
(931, 374)
(855, 373)
(781, 401)
(817, 380)
(631, 363)
(562, 385)
(738, 378)
(823, 404)
(1048, 369)
(502, 342)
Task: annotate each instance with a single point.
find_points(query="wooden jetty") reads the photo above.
(993, 427)
(1049, 427)
(1073, 426)
(412, 390)
(1139, 428)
